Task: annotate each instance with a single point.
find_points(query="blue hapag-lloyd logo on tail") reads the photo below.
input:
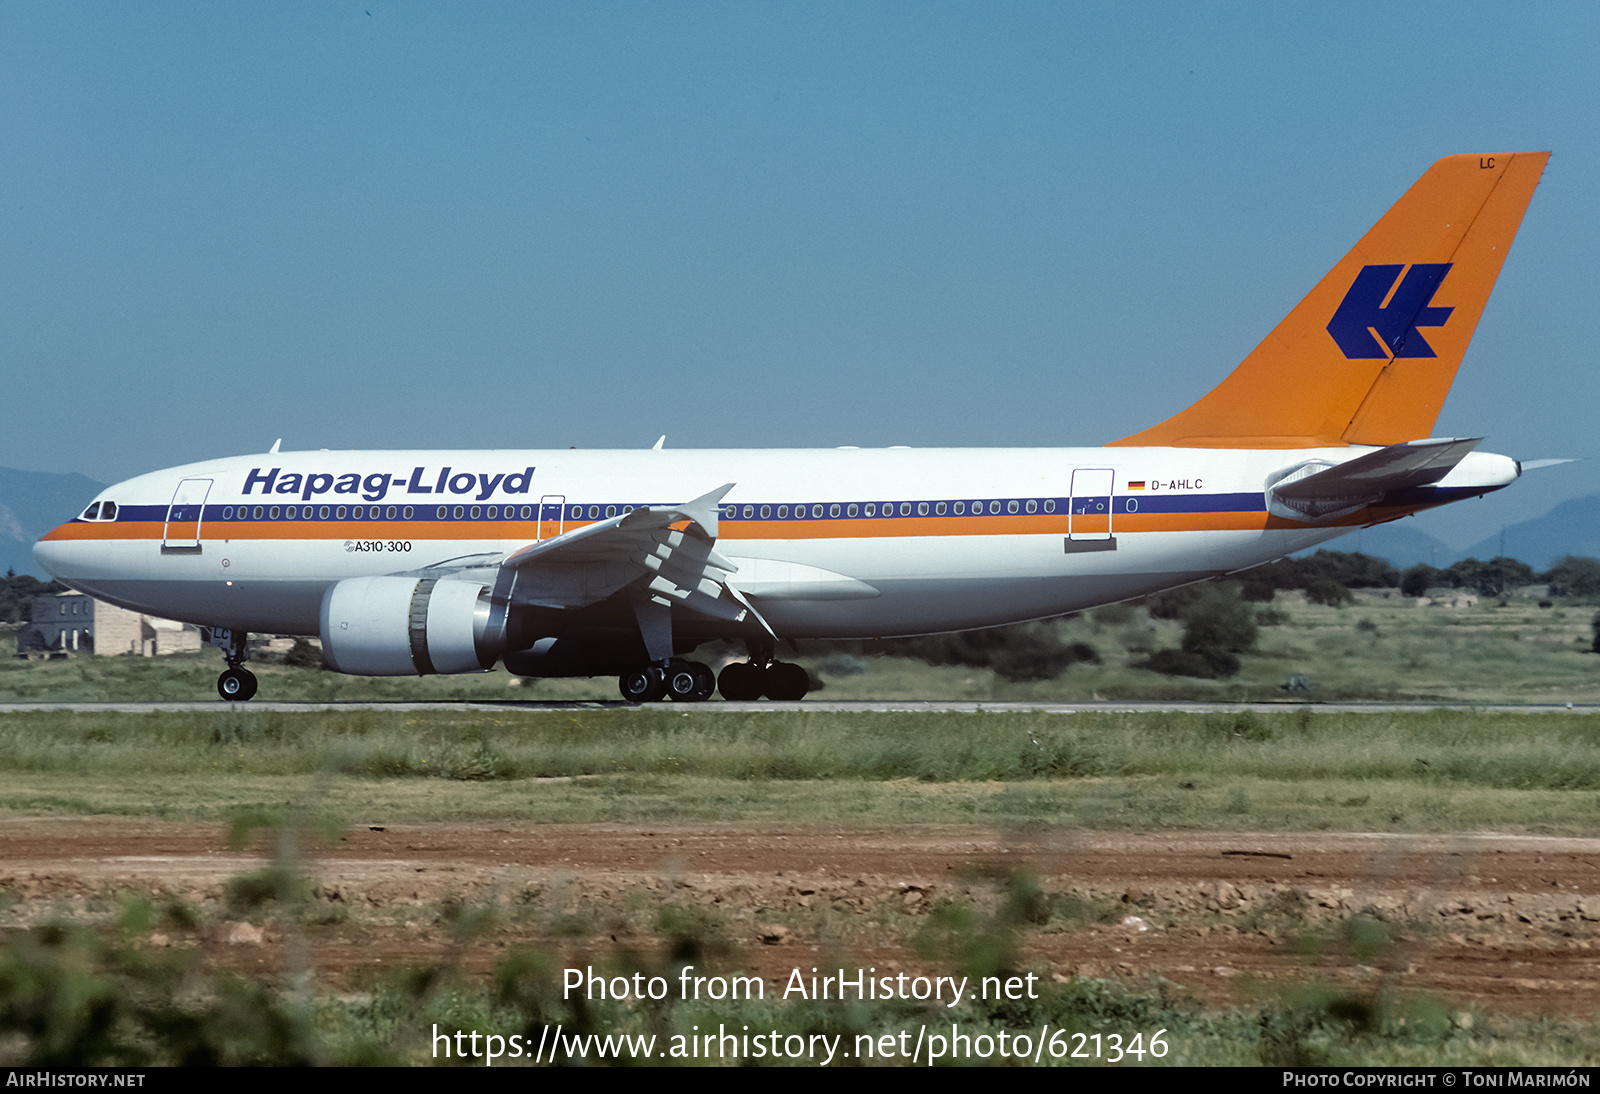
(1363, 311)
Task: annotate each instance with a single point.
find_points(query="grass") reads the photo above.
(106, 993)
(1381, 647)
(1295, 769)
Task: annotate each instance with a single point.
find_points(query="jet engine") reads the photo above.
(407, 626)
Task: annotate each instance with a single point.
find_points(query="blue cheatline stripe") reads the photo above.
(1139, 502)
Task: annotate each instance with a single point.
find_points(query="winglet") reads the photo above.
(660, 443)
(1369, 355)
(273, 451)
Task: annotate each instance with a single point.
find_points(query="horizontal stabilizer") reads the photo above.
(1317, 490)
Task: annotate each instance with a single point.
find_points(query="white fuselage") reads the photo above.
(252, 543)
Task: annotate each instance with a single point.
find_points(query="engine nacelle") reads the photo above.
(407, 626)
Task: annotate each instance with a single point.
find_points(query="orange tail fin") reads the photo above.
(1368, 356)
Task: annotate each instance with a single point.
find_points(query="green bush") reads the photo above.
(1218, 619)
(1026, 651)
(1326, 591)
(1574, 576)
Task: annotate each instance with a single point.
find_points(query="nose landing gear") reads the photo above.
(237, 684)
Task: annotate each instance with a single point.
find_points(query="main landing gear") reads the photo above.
(680, 681)
(237, 684)
(692, 682)
(746, 681)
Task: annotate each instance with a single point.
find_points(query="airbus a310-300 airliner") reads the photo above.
(571, 563)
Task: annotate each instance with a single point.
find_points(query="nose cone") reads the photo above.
(52, 553)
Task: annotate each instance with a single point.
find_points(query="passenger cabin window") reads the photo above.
(1032, 506)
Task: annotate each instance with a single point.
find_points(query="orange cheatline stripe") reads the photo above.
(898, 528)
(732, 530)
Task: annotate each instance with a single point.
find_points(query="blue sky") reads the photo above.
(374, 224)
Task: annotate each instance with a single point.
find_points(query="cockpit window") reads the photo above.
(101, 510)
(93, 512)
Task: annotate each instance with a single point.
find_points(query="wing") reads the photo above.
(669, 551)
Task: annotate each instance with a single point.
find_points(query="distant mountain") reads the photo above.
(32, 503)
(1571, 528)
(1398, 541)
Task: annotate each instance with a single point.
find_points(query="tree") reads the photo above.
(1420, 578)
(1351, 569)
(1574, 576)
(1494, 577)
(17, 592)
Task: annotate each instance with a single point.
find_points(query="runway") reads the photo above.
(859, 706)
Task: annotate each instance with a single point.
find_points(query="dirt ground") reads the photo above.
(1506, 923)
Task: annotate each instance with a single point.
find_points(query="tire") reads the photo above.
(740, 682)
(646, 685)
(705, 681)
(682, 683)
(786, 682)
(237, 685)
